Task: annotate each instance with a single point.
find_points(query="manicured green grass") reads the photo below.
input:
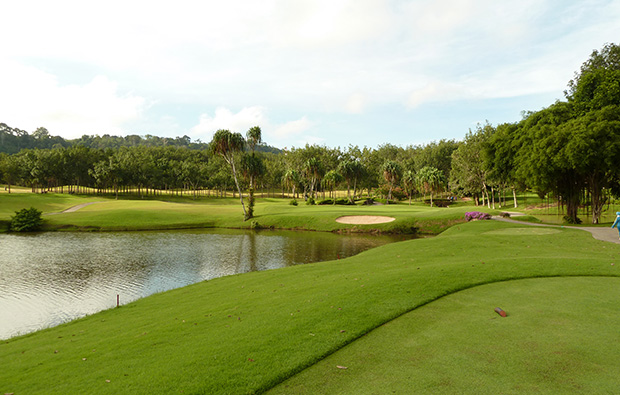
(48, 203)
(176, 213)
(247, 333)
(560, 337)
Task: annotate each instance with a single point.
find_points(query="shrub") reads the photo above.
(26, 220)
(310, 201)
(341, 202)
(505, 215)
(293, 202)
(476, 215)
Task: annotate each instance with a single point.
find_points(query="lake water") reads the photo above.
(50, 278)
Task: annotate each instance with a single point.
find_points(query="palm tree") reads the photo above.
(291, 179)
(351, 170)
(253, 166)
(254, 137)
(314, 171)
(331, 179)
(409, 183)
(392, 172)
(226, 144)
(431, 179)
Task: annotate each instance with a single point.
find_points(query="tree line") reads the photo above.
(13, 140)
(311, 171)
(570, 149)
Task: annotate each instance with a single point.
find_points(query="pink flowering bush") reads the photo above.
(473, 215)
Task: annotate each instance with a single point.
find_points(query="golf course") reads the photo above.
(416, 316)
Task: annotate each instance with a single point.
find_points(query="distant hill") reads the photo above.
(13, 140)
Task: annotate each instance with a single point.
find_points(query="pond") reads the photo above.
(50, 278)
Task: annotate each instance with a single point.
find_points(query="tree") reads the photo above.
(468, 175)
(253, 166)
(347, 169)
(291, 179)
(431, 179)
(227, 144)
(409, 183)
(331, 180)
(392, 171)
(9, 169)
(499, 157)
(542, 159)
(313, 171)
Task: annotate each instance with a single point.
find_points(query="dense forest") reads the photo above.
(570, 149)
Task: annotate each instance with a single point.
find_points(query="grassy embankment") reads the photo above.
(247, 333)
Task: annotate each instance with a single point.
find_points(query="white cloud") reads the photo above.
(291, 129)
(356, 103)
(32, 98)
(276, 134)
(225, 119)
(437, 91)
(319, 58)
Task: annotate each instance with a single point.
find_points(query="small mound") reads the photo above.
(364, 219)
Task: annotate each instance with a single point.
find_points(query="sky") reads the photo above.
(333, 73)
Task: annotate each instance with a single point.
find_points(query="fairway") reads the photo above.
(560, 336)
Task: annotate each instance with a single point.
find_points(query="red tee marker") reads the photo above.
(500, 312)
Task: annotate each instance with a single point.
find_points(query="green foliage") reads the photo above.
(310, 201)
(293, 202)
(26, 220)
(341, 202)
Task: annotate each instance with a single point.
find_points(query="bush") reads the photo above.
(26, 220)
(476, 215)
(310, 201)
(293, 202)
(341, 202)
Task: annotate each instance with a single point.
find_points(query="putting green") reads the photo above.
(561, 336)
(532, 230)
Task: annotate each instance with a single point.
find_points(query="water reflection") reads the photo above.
(50, 278)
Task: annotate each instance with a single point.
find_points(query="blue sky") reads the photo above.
(361, 72)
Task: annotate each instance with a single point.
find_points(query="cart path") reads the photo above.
(599, 233)
(74, 208)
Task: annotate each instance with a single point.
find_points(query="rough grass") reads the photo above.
(247, 333)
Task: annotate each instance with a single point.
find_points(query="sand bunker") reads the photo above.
(364, 219)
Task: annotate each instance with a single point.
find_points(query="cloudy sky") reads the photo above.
(334, 73)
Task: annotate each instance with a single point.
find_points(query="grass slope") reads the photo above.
(560, 337)
(247, 333)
